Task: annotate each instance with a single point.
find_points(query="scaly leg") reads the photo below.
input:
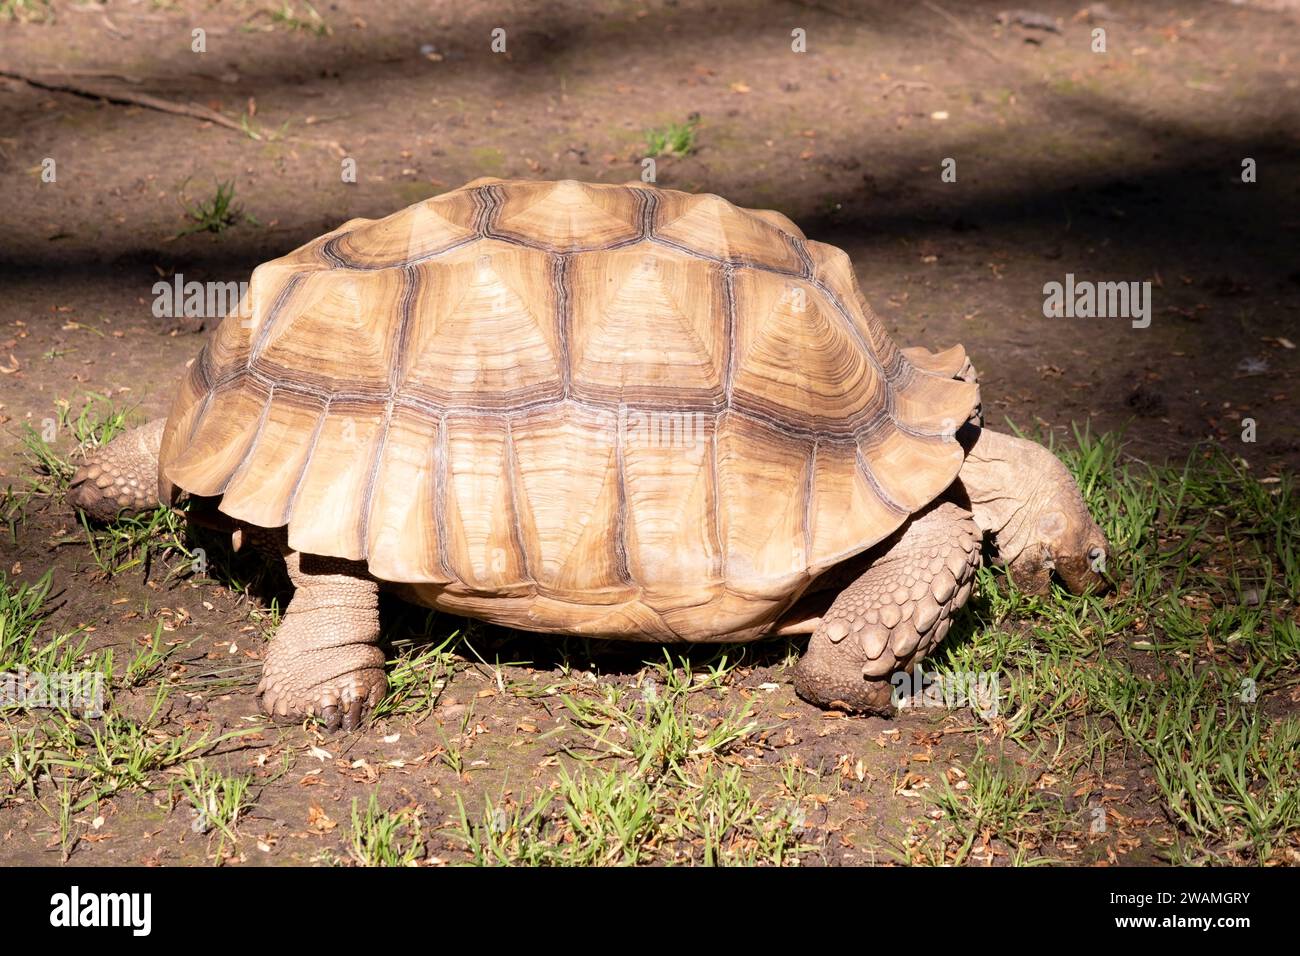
(123, 476)
(893, 614)
(324, 659)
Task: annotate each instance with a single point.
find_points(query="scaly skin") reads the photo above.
(324, 659)
(122, 477)
(894, 614)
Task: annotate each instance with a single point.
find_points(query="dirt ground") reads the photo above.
(1116, 166)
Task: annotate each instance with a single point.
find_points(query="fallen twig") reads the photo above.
(905, 85)
(124, 98)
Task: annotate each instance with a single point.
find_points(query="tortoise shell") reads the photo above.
(560, 406)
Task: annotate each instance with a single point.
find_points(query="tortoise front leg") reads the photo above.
(324, 659)
(893, 614)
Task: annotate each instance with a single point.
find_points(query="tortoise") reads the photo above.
(611, 410)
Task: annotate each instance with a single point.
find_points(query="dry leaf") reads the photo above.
(318, 820)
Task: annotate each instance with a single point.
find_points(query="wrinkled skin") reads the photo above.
(1027, 503)
(325, 660)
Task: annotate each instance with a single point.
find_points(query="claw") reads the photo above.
(352, 719)
(336, 707)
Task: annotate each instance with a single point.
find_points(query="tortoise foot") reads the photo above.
(324, 661)
(307, 685)
(892, 616)
(844, 690)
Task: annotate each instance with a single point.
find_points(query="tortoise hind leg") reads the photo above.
(123, 476)
(893, 614)
(324, 659)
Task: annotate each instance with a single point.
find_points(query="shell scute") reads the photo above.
(417, 232)
(568, 216)
(710, 226)
(481, 330)
(647, 321)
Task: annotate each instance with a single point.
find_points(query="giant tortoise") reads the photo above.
(616, 411)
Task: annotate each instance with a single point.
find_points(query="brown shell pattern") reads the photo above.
(614, 410)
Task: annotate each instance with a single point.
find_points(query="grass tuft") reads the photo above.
(674, 139)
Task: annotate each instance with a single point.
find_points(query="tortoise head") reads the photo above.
(1025, 499)
(1062, 539)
